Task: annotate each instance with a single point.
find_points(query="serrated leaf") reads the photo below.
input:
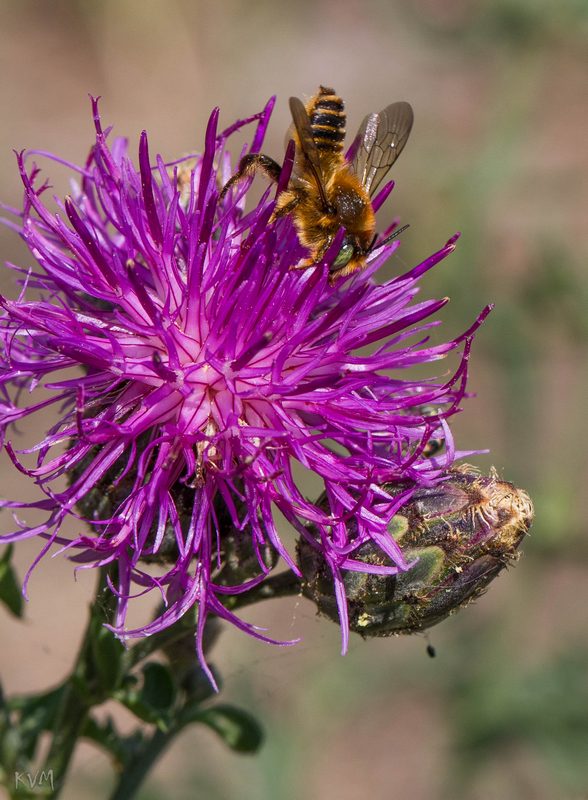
(236, 727)
(10, 591)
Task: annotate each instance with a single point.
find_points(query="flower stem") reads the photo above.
(80, 693)
(83, 689)
(136, 770)
(69, 722)
(284, 584)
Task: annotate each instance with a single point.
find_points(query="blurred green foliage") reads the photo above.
(498, 705)
(543, 709)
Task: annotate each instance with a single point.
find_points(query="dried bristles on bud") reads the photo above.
(459, 535)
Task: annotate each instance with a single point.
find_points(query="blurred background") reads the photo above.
(499, 151)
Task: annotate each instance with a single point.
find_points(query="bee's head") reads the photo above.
(349, 249)
(355, 249)
(351, 255)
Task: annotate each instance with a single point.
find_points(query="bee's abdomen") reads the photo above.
(327, 120)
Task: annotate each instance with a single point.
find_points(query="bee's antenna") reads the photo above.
(393, 235)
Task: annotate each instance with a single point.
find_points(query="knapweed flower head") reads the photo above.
(194, 378)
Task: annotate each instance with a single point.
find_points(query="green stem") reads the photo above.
(284, 584)
(136, 770)
(79, 695)
(70, 720)
(82, 689)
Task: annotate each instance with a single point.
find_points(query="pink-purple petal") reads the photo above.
(204, 360)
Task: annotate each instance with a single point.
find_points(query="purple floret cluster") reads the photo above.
(170, 339)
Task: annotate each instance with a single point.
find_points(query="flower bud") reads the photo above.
(458, 536)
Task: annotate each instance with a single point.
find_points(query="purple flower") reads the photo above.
(206, 373)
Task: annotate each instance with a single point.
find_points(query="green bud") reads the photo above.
(461, 533)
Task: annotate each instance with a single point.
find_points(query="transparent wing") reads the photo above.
(307, 143)
(379, 142)
(290, 134)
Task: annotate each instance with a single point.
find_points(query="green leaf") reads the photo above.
(158, 690)
(35, 714)
(11, 751)
(10, 591)
(236, 727)
(153, 700)
(105, 735)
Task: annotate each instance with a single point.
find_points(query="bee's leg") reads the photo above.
(286, 203)
(249, 165)
(315, 257)
(304, 263)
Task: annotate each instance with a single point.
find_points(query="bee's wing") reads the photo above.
(307, 144)
(290, 134)
(379, 142)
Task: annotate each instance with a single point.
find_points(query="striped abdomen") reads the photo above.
(327, 120)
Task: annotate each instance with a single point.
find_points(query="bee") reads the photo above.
(326, 192)
(433, 447)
